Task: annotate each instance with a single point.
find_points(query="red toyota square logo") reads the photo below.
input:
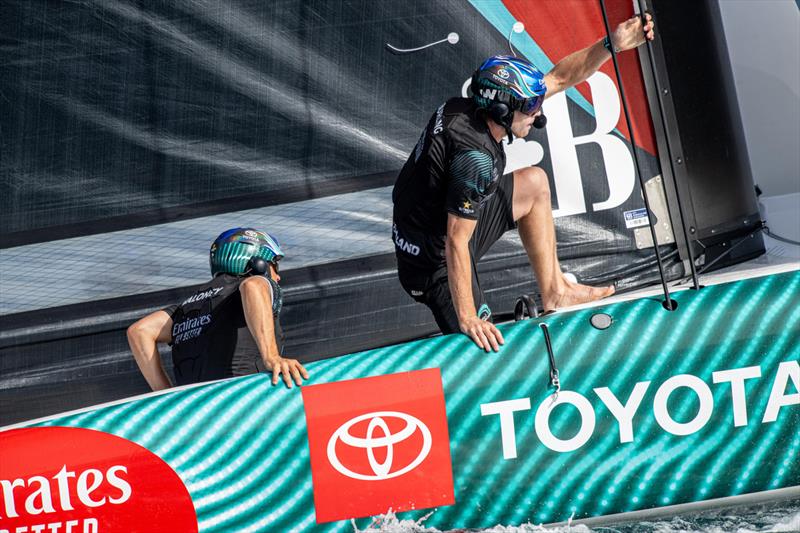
(378, 443)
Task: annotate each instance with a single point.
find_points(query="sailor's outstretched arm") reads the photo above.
(579, 65)
(459, 277)
(257, 307)
(143, 338)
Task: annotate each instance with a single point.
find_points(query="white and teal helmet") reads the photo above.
(233, 251)
(511, 81)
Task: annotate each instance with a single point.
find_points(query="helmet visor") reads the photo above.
(530, 106)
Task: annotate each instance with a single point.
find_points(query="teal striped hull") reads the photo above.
(241, 446)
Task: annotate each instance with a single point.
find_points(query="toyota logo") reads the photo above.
(386, 439)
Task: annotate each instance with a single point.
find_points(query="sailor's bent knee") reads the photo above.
(134, 331)
(533, 182)
(141, 332)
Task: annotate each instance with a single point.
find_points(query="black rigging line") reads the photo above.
(660, 93)
(668, 300)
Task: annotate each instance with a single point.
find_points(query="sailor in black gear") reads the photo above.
(227, 327)
(452, 200)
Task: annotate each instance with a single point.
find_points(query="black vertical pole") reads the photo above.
(668, 300)
(651, 56)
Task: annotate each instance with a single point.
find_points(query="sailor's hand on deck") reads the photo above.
(288, 369)
(484, 333)
(632, 32)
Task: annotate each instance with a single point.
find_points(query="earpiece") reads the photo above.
(499, 112)
(257, 266)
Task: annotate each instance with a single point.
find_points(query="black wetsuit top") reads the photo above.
(454, 168)
(210, 339)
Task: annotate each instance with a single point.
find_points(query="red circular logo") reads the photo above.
(86, 481)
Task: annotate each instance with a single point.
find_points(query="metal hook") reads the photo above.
(555, 382)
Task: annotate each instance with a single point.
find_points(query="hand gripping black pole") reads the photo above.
(668, 300)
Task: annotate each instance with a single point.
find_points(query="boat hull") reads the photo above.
(659, 409)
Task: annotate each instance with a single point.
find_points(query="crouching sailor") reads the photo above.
(203, 330)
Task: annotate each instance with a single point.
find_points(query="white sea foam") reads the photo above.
(764, 518)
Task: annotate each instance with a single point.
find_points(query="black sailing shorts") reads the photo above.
(496, 216)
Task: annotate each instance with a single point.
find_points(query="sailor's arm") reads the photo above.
(257, 307)
(459, 275)
(143, 338)
(578, 66)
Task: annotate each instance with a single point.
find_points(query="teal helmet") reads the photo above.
(234, 251)
(509, 80)
(504, 84)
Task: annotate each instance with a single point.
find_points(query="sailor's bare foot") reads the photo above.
(575, 294)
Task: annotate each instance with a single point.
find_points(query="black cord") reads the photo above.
(645, 266)
(554, 381)
(724, 254)
(650, 213)
(779, 238)
(659, 98)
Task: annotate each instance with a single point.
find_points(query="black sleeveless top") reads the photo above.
(210, 338)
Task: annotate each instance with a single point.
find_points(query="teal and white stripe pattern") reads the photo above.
(241, 448)
(472, 169)
(232, 250)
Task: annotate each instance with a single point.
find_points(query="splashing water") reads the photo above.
(389, 523)
(770, 517)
